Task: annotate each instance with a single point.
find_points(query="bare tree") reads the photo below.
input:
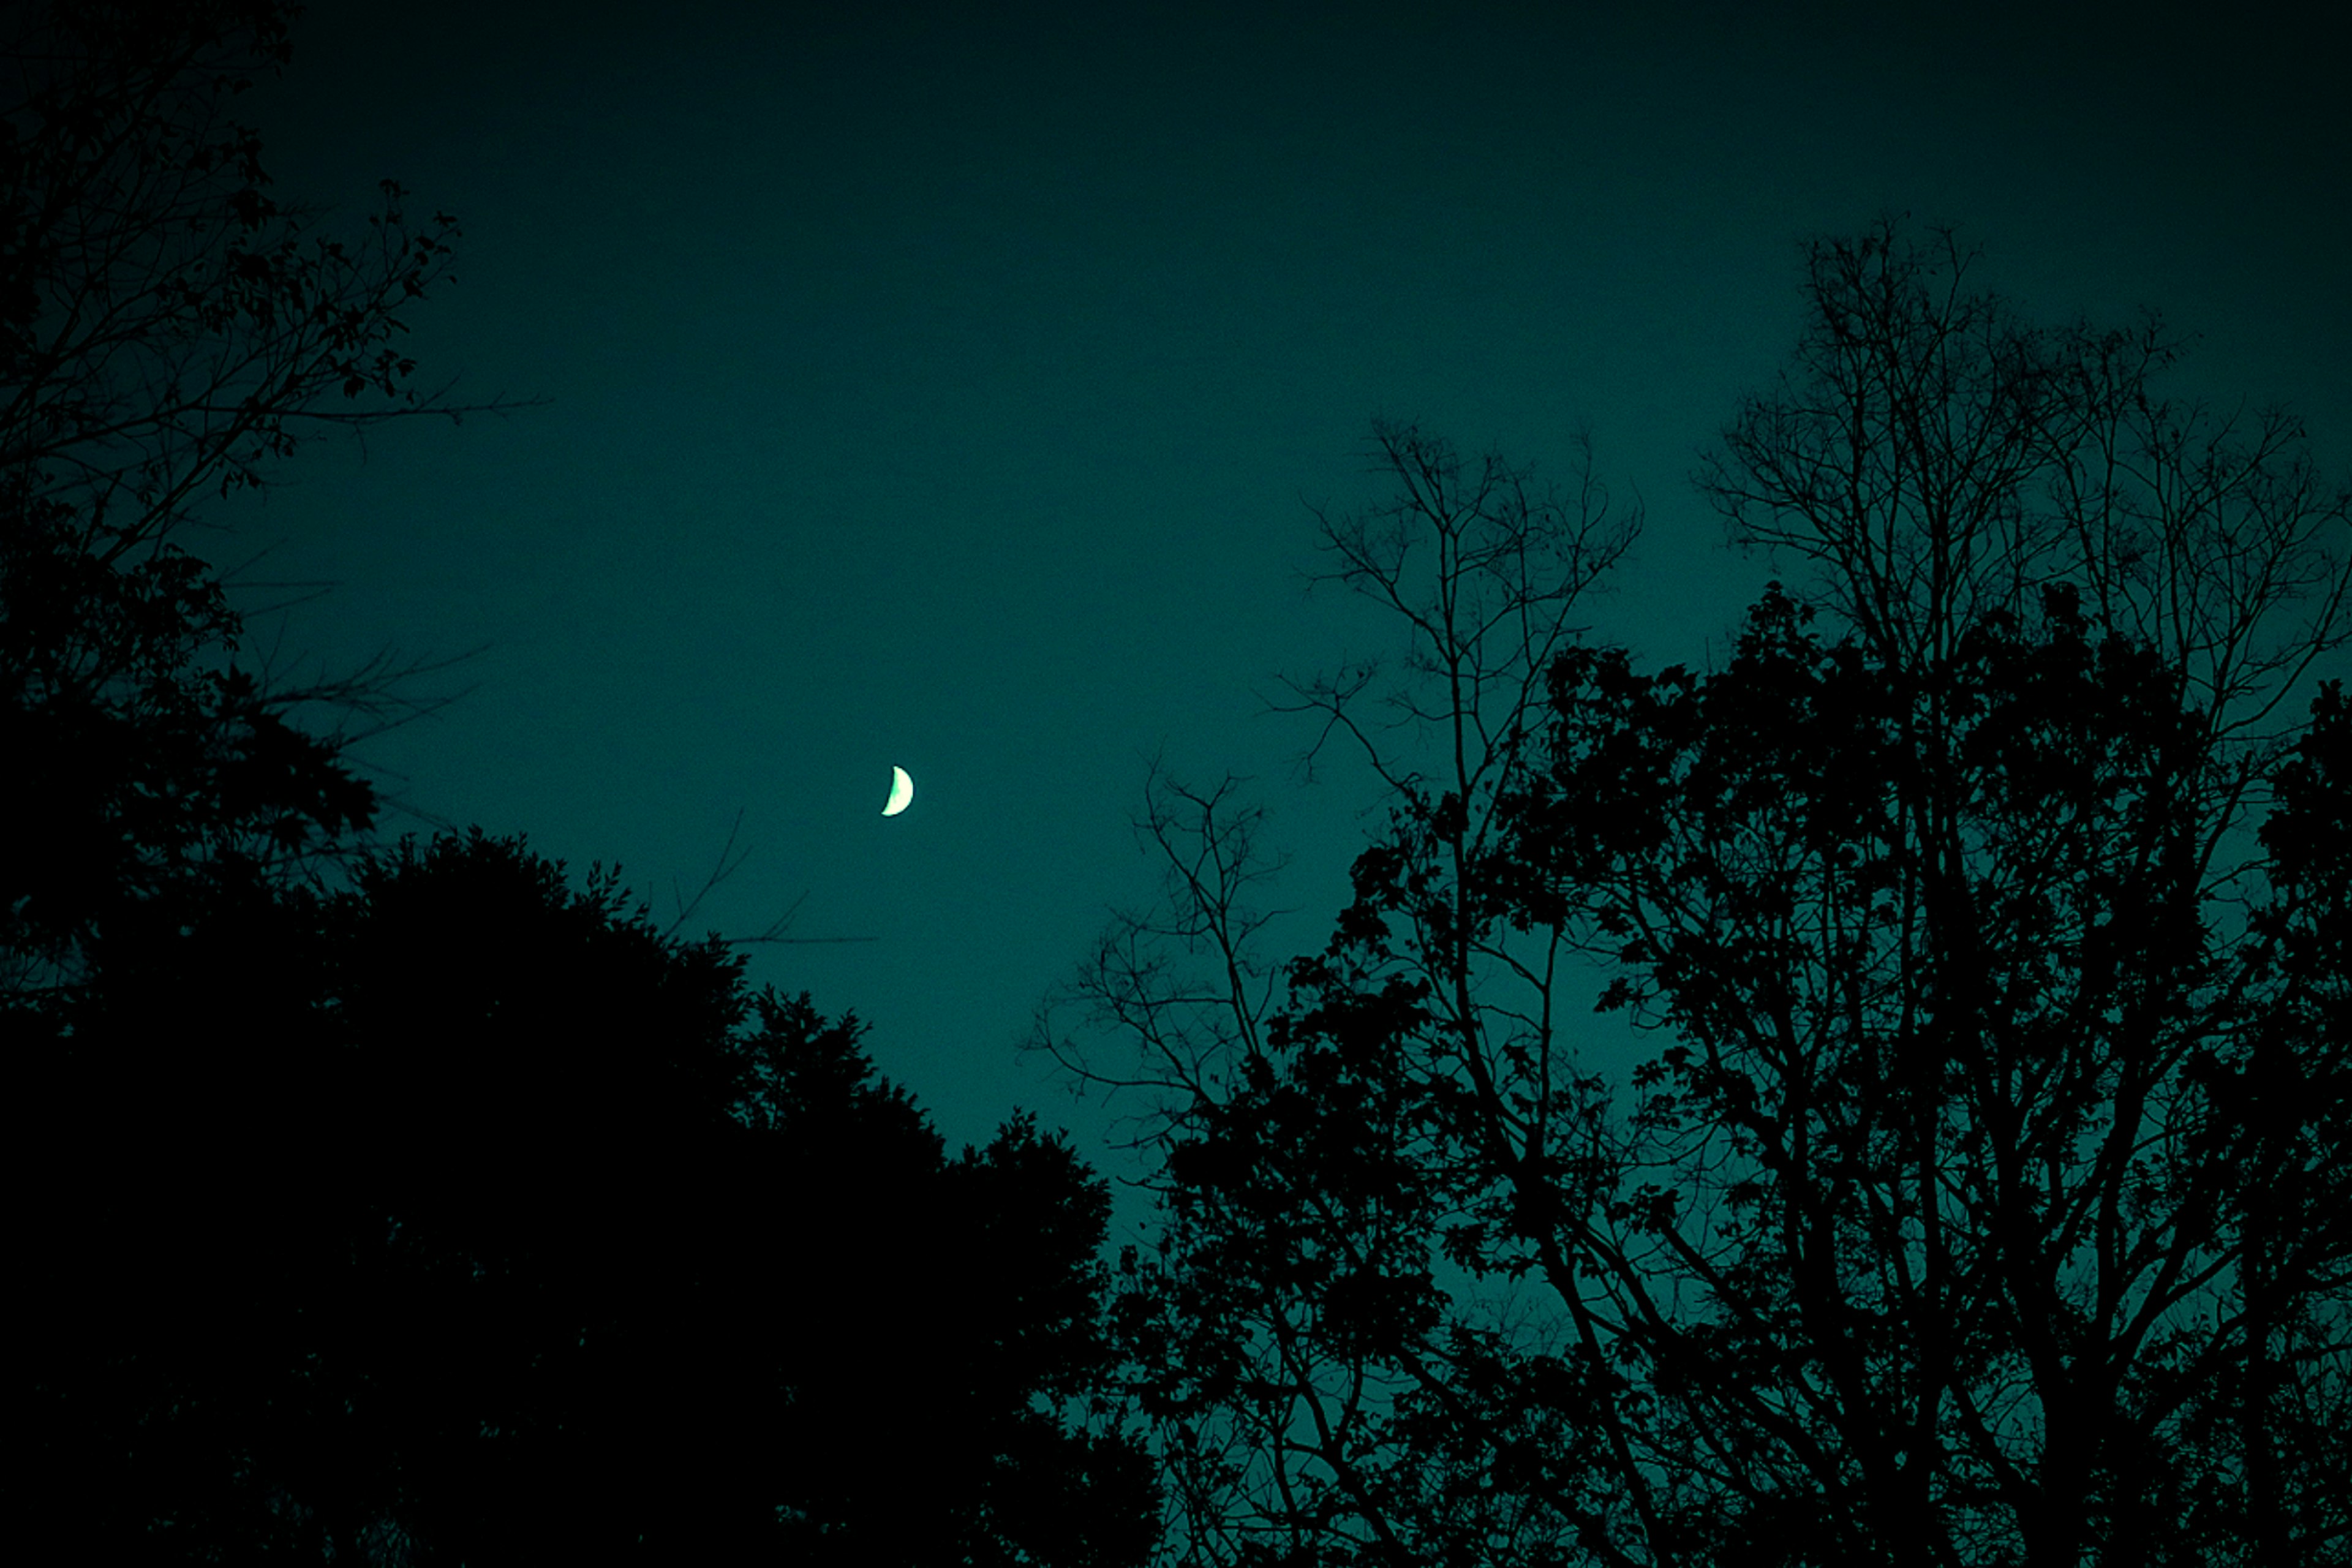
(720, 871)
(1182, 980)
(1484, 569)
(1283, 1436)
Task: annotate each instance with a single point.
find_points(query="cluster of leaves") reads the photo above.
(1938, 1130)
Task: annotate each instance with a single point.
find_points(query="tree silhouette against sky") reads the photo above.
(463, 1216)
(1983, 1202)
(1983, 1199)
(457, 1216)
(169, 333)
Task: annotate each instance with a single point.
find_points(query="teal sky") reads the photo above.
(945, 386)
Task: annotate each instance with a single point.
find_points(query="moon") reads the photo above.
(902, 793)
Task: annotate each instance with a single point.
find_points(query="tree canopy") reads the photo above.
(461, 1216)
(1982, 1200)
(170, 331)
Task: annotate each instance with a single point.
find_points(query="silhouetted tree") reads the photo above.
(1484, 567)
(1986, 1202)
(500, 1228)
(1919, 1241)
(168, 331)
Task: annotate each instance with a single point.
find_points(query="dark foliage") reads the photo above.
(1983, 1200)
(168, 330)
(464, 1219)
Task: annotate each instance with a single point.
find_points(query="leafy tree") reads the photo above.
(1920, 1238)
(1985, 1200)
(513, 1231)
(169, 331)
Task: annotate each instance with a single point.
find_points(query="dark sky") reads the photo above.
(944, 387)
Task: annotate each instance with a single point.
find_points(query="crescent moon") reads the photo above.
(902, 793)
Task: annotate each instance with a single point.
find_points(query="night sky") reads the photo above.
(947, 387)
